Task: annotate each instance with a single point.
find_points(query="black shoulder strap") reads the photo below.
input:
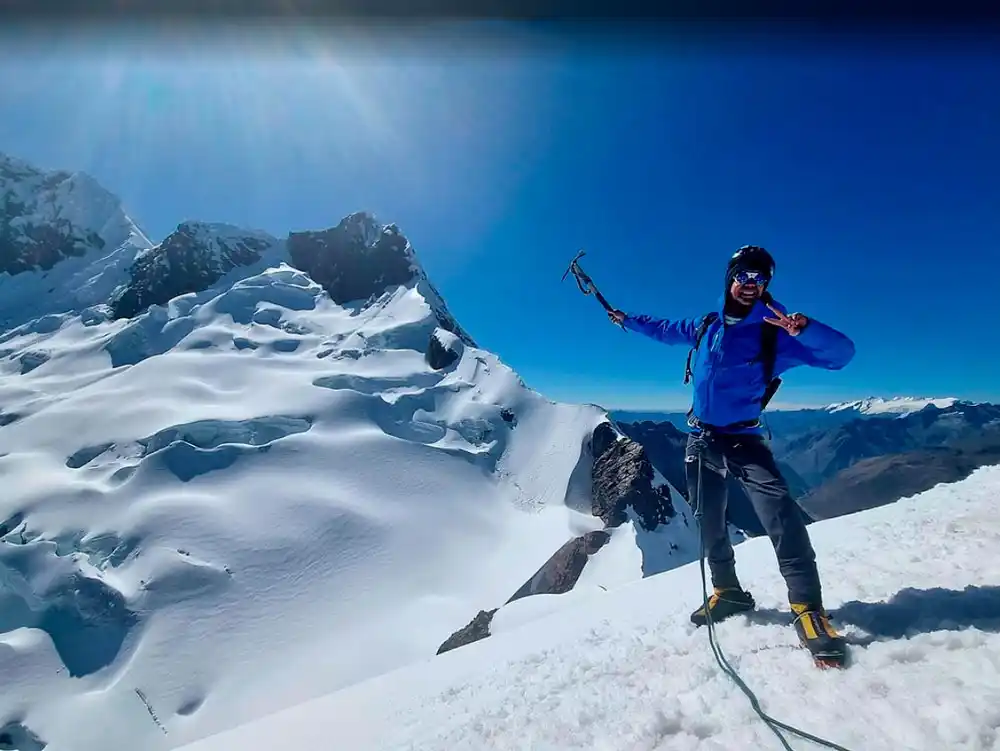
(707, 321)
(768, 350)
(767, 357)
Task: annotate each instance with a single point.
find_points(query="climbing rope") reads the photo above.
(776, 726)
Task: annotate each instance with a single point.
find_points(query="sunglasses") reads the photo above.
(751, 277)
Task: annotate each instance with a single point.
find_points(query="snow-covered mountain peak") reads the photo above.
(221, 231)
(47, 216)
(898, 405)
(364, 228)
(67, 245)
(13, 168)
(65, 242)
(192, 258)
(221, 245)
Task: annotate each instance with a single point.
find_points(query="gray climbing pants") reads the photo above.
(710, 456)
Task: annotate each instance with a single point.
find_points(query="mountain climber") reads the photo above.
(734, 376)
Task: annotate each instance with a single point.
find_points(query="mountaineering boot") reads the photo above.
(722, 604)
(812, 624)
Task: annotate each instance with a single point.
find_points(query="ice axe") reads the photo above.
(585, 283)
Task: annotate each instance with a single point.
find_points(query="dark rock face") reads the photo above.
(623, 477)
(185, 262)
(561, 571)
(27, 244)
(351, 261)
(38, 246)
(558, 575)
(665, 445)
(439, 356)
(603, 438)
(478, 628)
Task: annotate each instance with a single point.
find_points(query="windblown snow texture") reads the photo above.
(909, 584)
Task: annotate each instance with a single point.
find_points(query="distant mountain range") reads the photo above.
(789, 420)
(850, 456)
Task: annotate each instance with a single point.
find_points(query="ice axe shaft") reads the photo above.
(584, 282)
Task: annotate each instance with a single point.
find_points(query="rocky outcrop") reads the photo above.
(439, 355)
(478, 628)
(623, 477)
(558, 575)
(39, 246)
(354, 260)
(359, 259)
(561, 571)
(190, 259)
(665, 446)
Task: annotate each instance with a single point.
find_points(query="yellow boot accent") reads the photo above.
(712, 599)
(800, 609)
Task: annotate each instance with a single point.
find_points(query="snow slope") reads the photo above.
(913, 585)
(253, 496)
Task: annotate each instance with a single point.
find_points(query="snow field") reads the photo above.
(912, 585)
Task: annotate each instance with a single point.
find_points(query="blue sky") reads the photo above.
(868, 166)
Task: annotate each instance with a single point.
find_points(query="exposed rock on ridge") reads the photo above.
(190, 259)
(622, 478)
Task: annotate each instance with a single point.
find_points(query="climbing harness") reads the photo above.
(775, 725)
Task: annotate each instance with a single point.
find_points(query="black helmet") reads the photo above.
(750, 258)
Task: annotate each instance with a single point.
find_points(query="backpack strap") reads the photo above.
(706, 321)
(768, 355)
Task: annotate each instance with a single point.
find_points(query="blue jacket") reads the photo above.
(728, 384)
